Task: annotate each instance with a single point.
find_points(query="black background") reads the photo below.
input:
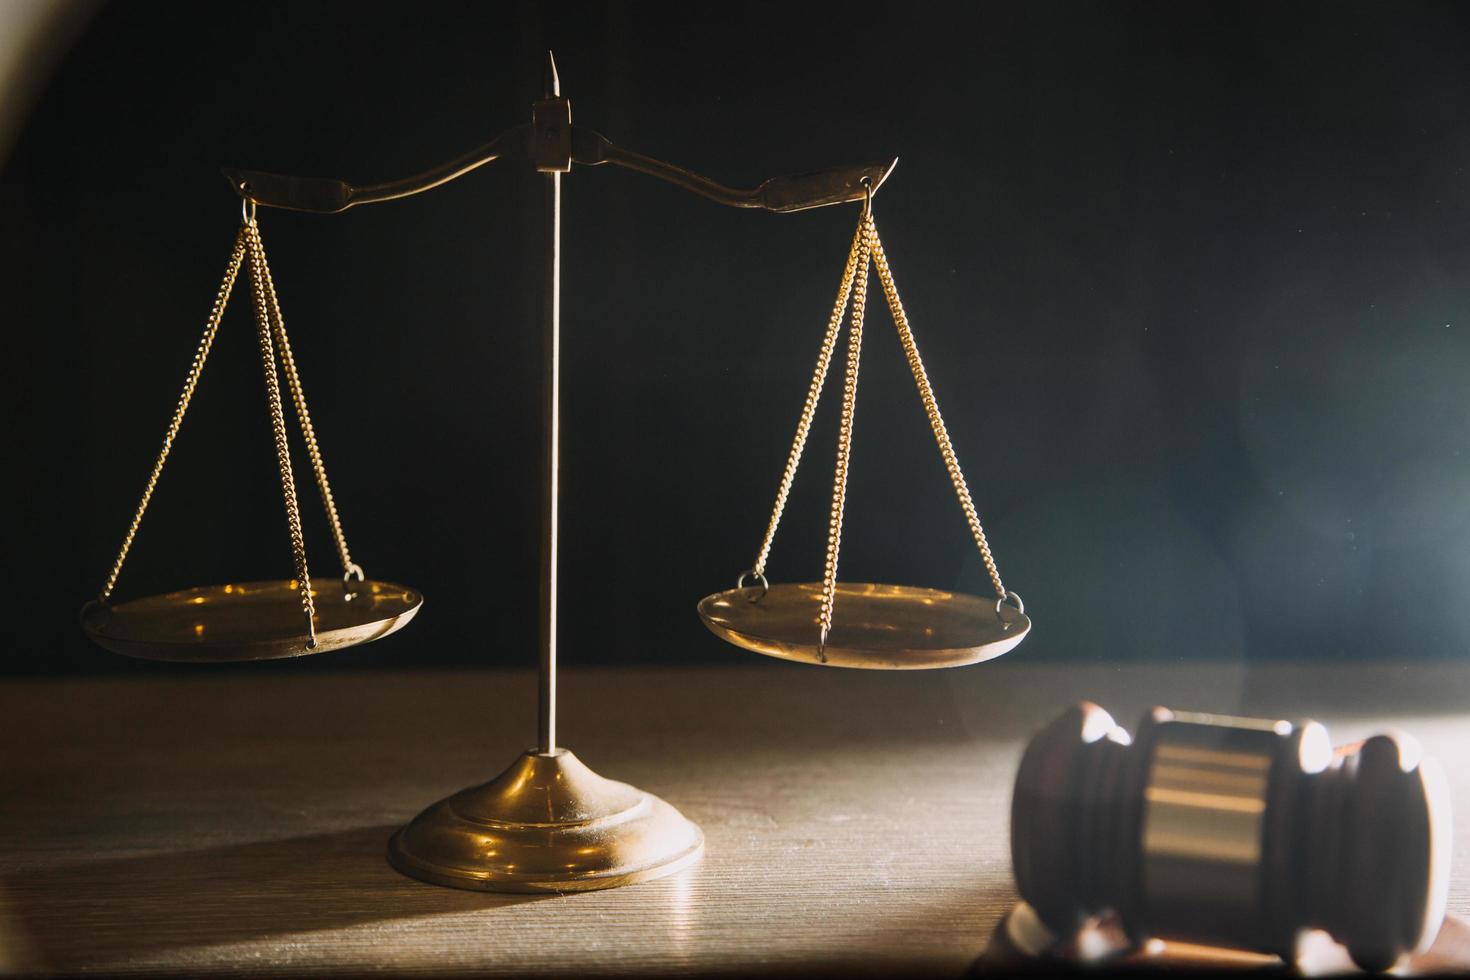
(1190, 281)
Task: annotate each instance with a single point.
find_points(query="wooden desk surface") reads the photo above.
(854, 820)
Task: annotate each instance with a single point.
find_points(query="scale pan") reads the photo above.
(247, 621)
(879, 627)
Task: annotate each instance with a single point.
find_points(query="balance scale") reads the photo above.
(548, 823)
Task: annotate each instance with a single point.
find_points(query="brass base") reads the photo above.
(546, 824)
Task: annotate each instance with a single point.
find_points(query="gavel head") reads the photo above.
(1232, 832)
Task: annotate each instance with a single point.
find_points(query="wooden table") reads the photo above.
(854, 820)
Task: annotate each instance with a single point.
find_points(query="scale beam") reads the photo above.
(796, 192)
(324, 195)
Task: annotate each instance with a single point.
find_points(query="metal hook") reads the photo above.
(867, 183)
(1014, 601)
(247, 204)
(354, 571)
(758, 579)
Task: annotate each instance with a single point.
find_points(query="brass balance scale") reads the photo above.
(548, 823)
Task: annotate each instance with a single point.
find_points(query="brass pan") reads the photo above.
(878, 627)
(248, 620)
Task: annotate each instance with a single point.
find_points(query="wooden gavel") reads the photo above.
(1232, 832)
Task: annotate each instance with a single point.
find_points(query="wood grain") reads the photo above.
(855, 821)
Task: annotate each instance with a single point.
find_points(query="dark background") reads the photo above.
(1191, 281)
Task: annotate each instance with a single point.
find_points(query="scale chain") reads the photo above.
(196, 369)
(867, 249)
(298, 400)
(931, 405)
(844, 444)
(813, 396)
(278, 425)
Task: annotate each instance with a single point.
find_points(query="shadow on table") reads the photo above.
(119, 911)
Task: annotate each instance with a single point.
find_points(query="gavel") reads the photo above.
(1232, 832)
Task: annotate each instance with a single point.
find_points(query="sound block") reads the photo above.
(1023, 944)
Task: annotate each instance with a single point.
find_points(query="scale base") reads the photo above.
(546, 824)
